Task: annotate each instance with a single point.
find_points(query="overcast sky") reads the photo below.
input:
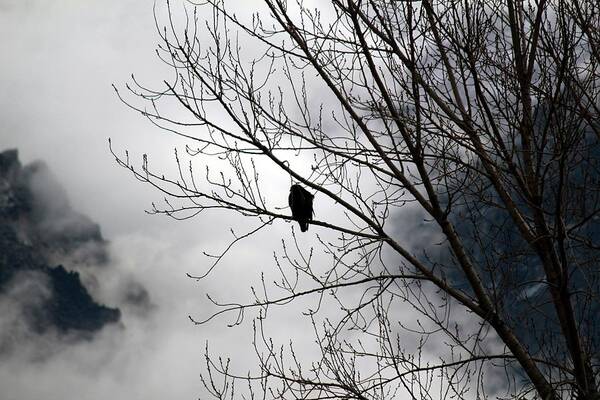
(59, 59)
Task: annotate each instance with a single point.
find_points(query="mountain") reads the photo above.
(43, 242)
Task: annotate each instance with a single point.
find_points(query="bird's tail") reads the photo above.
(303, 226)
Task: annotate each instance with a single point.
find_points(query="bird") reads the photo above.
(301, 204)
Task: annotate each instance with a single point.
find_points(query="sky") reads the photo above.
(60, 59)
(57, 104)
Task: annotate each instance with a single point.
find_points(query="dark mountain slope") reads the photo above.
(38, 230)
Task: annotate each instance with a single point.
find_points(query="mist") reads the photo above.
(58, 105)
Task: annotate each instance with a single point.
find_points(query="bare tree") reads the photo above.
(459, 141)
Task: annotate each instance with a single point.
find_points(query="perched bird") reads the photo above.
(301, 204)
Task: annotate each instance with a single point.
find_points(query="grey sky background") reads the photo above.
(57, 104)
(60, 58)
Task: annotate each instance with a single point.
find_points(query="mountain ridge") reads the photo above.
(41, 239)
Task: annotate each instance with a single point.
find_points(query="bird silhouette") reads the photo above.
(301, 204)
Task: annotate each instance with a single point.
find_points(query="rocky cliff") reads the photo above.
(41, 239)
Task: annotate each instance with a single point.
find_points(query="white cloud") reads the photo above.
(57, 104)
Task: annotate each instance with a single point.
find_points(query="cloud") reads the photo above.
(26, 291)
(57, 105)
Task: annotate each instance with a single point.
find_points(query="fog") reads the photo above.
(57, 105)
